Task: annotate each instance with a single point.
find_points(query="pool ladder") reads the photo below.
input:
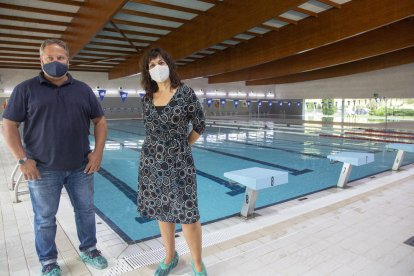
(15, 183)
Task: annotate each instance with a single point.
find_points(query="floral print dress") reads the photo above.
(167, 187)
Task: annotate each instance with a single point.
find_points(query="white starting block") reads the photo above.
(255, 179)
(349, 159)
(402, 148)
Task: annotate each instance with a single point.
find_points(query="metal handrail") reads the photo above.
(15, 184)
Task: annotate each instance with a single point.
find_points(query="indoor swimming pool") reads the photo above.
(220, 150)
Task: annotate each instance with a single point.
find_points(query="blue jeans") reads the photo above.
(45, 195)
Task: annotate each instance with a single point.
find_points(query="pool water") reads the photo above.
(220, 150)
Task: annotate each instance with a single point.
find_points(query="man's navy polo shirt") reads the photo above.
(56, 120)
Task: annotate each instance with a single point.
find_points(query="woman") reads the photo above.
(167, 188)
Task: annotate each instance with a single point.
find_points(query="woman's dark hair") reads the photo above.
(150, 86)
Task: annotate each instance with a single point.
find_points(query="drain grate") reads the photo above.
(120, 268)
(410, 241)
(149, 257)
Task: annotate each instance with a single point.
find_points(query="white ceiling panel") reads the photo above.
(43, 5)
(159, 11)
(147, 20)
(293, 15)
(315, 6)
(192, 4)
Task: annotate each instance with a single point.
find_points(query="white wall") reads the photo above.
(9, 78)
(232, 87)
(395, 82)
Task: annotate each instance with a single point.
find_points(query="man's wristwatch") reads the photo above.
(22, 161)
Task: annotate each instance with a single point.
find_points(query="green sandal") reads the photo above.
(196, 273)
(164, 269)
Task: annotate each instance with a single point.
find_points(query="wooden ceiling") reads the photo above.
(260, 42)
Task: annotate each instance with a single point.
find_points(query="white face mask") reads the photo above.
(160, 73)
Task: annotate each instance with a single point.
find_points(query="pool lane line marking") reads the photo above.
(291, 170)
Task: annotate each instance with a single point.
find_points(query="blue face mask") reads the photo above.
(55, 69)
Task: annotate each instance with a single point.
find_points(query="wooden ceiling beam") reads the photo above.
(366, 15)
(29, 37)
(197, 56)
(225, 44)
(19, 60)
(89, 48)
(256, 34)
(34, 20)
(118, 38)
(167, 6)
(20, 55)
(14, 49)
(32, 30)
(389, 38)
(209, 49)
(82, 60)
(65, 2)
(107, 29)
(125, 37)
(90, 19)
(101, 66)
(214, 2)
(15, 43)
(245, 15)
(19, 67)
(94, 61)
(268, 27)
(143, 25)
(304, 11)
(90, 70)
(239, 39)
(400, 57)
(330, 3)
(102, 55)
(11, 66)
(121, 46)
(36, 10)
(14, 64)
(99, 63)
(154, 16)
(286, 20)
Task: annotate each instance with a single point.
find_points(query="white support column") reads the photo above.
(343, 177)
(398, 160)
(249, 202)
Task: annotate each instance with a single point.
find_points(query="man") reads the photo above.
(56, 111)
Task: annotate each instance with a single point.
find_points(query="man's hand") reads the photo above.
(30, 170)
(94, 162)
